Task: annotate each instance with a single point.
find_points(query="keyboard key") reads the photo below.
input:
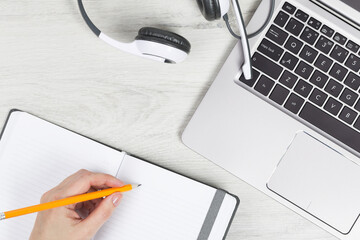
(352, 46)
(339, 54)
(304, 70)
(318, 97)
(252, 81)
(314, 23)
(288, 79)
(281, 19)
(266, 66)
(338, 72)
(279, 94)
(294, 26)
(357, 106)
(293, 45)
(303, 88)
(353, 62)
(277, 35)
(301, 15)
(324, 45)
(294, 103)
(357, 124)
(333, 106)
(271, 50)
(353, 81)
(327, 31)
(289, 61)
(334, 87)
(323, 63)
(331, 126)
(348, 97)
(264, 85)
(308, 54)
(289, 8)
(309, 35)
(339, 38)
(348, 115)
(319, 79)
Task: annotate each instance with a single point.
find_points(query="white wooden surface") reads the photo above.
(51, 65)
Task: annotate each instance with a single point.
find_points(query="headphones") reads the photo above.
(169, 47)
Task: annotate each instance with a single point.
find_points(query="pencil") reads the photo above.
(66, 201)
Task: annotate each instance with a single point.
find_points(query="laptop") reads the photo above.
(293, 131)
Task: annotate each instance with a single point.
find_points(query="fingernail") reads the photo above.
(116, 200)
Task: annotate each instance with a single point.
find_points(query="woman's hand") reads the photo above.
(78, 221)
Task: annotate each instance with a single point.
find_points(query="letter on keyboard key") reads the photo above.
(323, 62)
(348, 115)
(303, 88)
(289, 61)
(331, 126)
(338, 72)
(308, 54)
(318, 97)
(266, 66)
(334, 87)
(319, 79)
(333, 106)
(288, 79)
(353, 81)
(293, 45)
(349, 97)
(294, 103)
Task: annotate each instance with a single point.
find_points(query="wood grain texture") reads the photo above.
(51, 65)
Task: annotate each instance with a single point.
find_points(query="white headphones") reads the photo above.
(169, 47)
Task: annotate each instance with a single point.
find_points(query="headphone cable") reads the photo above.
(257, 32)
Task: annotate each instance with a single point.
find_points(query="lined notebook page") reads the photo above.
(35, 156)
(166, 206)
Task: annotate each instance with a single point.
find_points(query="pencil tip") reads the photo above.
(138, 185)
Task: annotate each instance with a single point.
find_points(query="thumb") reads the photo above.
(101, 214)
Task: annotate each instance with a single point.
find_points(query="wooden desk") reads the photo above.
(54, 67)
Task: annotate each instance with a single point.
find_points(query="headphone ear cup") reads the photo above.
(164, 37)
(210, 9)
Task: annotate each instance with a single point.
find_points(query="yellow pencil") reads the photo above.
(66, 201)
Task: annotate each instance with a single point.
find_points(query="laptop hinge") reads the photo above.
(336, 13)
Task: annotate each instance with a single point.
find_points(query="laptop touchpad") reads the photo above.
(319, 180)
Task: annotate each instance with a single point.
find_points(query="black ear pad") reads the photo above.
(164, 37)
(210, 9)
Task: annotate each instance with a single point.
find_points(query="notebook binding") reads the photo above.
(2, 216)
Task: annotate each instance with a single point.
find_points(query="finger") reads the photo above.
(83, 180)
(101, 214)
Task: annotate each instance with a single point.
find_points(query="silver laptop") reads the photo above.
(293, 131)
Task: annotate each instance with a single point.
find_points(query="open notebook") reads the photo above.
(36, 155)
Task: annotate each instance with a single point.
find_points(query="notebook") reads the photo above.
(36, 155)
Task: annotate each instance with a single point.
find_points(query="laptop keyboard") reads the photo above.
(310, 70)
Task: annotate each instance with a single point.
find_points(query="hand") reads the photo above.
(78, 221)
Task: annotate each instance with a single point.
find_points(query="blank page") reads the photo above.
(35, 156)
(166, 205)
